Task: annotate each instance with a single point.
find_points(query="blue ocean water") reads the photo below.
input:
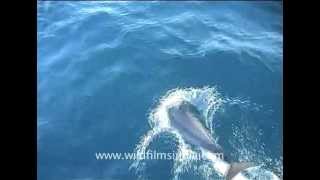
(106, 68)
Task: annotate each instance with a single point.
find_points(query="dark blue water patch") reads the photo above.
(161, 168)
(257, 130)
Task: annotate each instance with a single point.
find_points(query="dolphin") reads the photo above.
(186, 119)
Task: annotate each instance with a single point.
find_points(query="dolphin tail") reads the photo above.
(235, 168)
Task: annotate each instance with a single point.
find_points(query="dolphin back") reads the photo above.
(214, 148)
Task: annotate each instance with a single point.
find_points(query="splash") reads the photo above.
(209, 102)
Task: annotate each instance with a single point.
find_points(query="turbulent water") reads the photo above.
(108, 70)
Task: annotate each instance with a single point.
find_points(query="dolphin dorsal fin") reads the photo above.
(235, 168)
